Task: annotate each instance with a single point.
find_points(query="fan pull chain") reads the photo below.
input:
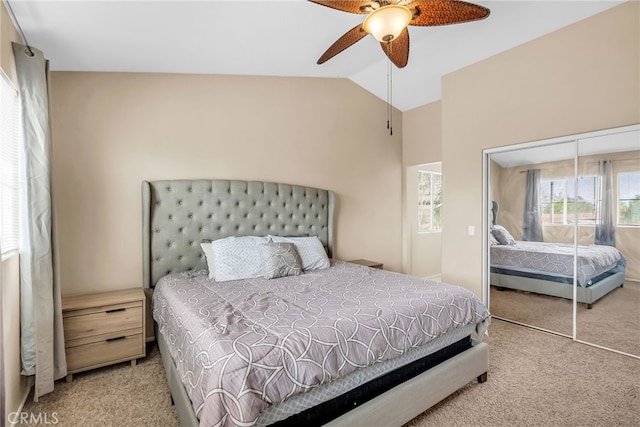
(389, 95)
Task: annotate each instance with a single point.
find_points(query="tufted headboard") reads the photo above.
(178, 214)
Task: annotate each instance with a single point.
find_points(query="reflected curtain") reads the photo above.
(532, 223)
(42, 339)
(605, 222)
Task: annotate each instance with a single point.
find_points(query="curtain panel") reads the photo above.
(532, 222)
(2, 386)
(605, 210)
(42, 339)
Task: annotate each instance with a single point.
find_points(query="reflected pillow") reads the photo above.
(280, 260)
(492, 240)
(310, 249)
(502, 235)
(237, 258)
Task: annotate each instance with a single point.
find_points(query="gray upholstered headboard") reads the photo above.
(178, 214)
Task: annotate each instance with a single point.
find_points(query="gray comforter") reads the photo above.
(241, 345)
(555, 259)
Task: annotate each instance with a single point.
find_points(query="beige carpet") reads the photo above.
(535, 379)
(613, 321)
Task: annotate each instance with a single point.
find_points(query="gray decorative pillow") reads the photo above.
(492, 239)
(503, 235)
(280, 260)
(310, 249)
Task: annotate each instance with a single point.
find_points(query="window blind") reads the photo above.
(9, 163)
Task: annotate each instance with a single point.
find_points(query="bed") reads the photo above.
(304, 329)
(548, 268)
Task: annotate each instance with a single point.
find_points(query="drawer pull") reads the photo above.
(115, 339)
(115, 310)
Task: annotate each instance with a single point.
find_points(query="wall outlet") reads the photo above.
(472, 230)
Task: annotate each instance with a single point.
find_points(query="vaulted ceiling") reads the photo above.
(276, 38)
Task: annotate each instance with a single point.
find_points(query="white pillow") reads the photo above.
(310, 249)
(208, 255)
(237, 258)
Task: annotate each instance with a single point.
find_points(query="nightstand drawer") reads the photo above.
(108, 351)
(103, 328)
(89, 322)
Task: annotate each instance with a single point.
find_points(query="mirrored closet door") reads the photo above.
(531, 235)
(609, 231)
(563, 236)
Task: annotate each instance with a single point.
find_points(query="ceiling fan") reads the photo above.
(387, 21)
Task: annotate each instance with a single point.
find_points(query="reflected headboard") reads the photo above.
(178, 214)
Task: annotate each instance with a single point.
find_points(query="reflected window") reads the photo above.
(429, 202)
(559, 202)
(629, 199)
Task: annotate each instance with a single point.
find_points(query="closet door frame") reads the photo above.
(486, 219)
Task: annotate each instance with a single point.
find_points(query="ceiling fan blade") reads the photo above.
(398, 49)
(443, 12)
(352, 36)
(346, 5)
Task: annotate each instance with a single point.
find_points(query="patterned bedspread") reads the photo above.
(555, 259)
(241, 345)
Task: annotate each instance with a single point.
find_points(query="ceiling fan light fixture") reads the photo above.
(387, 22)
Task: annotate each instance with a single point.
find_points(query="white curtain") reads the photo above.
(2, 396)
(42, 339)
(605, 213)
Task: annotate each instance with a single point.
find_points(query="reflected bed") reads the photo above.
(548, 268)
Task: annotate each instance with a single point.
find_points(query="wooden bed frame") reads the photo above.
(178, 214)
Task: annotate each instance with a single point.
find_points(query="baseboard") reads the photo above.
(435, 277)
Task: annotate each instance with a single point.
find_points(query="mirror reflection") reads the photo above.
(565, 222)
(532, 236)
(609, 230)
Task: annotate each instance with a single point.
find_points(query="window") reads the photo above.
(429, 202)
(558, 201)
(9, 149)
(629, 198)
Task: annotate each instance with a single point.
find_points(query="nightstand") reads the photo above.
(102, 329)
(367, 263)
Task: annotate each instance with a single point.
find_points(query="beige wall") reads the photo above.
(581, 78)
(509, 193)
(421, 144)
(15, 386)
(422, 135)
(8, 34)
(113, 130)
